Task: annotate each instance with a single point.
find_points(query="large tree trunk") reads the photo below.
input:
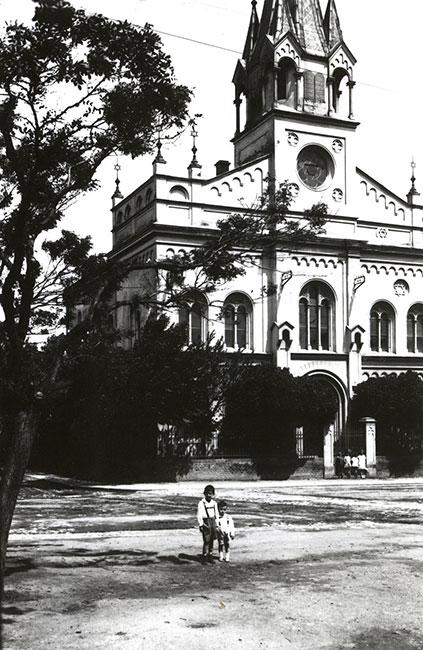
(17, 453)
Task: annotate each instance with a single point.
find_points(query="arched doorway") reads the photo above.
(315, 441)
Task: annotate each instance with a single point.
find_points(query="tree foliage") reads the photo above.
(74, 89)
(101, 420)
(266, 404)
(396, 403)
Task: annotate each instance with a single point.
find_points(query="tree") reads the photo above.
(74, 89)
(77, 89)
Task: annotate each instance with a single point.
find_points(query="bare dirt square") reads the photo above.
(314, 565)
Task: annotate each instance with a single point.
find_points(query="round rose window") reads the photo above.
(315, 166)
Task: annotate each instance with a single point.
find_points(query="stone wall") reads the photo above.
(245, 469)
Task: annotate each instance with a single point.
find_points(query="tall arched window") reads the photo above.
(194, 315)
(317, 317)
(238, 313)
(382, 322)
(415, 329)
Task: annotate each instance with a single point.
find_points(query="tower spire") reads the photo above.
(332, 25)
(252, 32)
(302, 17)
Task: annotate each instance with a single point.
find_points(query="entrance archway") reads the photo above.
(313, 440)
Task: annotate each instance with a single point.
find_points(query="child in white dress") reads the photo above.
(225, 531)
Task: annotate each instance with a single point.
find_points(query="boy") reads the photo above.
(225, 532)
(207, 516)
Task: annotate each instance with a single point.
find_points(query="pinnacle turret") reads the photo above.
(282, 20)
(332, 25)
(252, 32)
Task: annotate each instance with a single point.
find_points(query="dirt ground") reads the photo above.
(314, 565)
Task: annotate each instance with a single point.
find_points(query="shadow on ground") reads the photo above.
(383, 639)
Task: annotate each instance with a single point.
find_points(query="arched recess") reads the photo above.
(286, 86)
(382, 327)
(317, 317)
(238, 314)
(194, 314)
(340, 97)
(179, 193)
(310, 438)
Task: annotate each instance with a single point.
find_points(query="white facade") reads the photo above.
(362, 314)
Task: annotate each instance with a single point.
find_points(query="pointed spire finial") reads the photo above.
(194, 164)
(117, 194)
(159, 158)
(413, 192)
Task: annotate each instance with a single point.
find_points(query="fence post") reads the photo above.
(328, 460)
(370, 429)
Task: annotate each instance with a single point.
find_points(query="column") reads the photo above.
(300, 90)
(237, 103)
(330, 95)
(370, 430)
(351, 85)
(328, 459)
(275, 84)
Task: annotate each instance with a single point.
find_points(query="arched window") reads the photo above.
(317, 317)
(127, 211)
(148, 196)
(119, 218)
(382, 327)
(194, 315)
(139, 202)
(415, 329)
(238, 313)
(286, 83)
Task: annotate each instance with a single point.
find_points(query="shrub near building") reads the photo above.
(396, 403)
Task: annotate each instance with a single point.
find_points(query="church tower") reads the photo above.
(295, 81)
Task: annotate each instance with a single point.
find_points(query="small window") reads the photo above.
(139, 202)
(148, 196)
(127, 211)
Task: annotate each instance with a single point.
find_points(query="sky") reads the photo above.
(384, 35)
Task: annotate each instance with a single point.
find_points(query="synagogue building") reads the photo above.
(349, 305)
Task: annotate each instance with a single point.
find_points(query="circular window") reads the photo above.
(314, 166)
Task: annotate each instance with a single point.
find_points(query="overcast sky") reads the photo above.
(384, 35)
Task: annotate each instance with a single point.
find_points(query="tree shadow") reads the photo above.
(19, 566)
(377, 639)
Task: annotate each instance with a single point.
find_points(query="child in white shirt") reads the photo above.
(207, 517)
(225, 532)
